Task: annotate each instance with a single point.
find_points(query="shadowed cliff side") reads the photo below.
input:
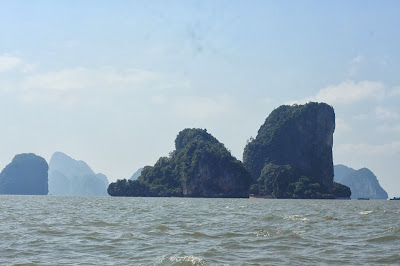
(25, 175)
(200, 166)
(291, 157)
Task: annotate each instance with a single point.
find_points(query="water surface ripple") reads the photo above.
(51, 230)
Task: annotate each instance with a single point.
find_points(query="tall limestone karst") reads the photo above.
(363, 183)
(70, 177)
(200, 166)
(25, 175)
(291, 157)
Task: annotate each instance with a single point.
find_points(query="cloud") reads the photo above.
(9, 62)
(158, 99)
(202, 107)
(63, 80)
(364, 149)
(395, 91)
(341, 126)
(355, 65)
(348, 92)
(357, 59)
(361, 117)
(384, 113)
(388, 128)
(66, 84)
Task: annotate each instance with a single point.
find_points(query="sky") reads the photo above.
(113, 82)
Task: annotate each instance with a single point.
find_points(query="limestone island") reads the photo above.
(291, 156)
(362, 182)
(200, 166)
(25, 175)
(70, 177)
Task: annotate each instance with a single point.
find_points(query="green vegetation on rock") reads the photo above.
(341, 191)
(291, 157)
(200, 166)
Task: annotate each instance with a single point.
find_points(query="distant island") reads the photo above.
(291, 156)
(70, 177)
(25, 175)
(363, 183)
(200, 166)
(136, 174)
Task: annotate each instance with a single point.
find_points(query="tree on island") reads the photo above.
(200, 166)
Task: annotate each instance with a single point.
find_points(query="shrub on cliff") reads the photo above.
(341, 191)
(292, 153)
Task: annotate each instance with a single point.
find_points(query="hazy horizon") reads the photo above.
(113, 83)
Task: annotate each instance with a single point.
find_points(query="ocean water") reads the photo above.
(53, 230)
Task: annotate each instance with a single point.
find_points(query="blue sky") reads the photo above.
(113, 82)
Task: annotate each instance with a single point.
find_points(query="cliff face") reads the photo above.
(70, 177)
(299, 137)
(25, 175)
(363, 183)
(200, 166)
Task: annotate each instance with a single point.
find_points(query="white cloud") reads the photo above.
(354, 65)
(364, 149)
(357, 59)
(395, 91)
(158, 99)
(81, 78)
(341, 126)
(65, 84)
(202, 107)
(9, 62)
(64, 80)
(348, 92)
(361, 117)
(388, 128)
(384, 113)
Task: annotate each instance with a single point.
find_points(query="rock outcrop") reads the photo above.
(200, 166)
(25, 175)
(70, 177)
(291, 157)
(363, 183)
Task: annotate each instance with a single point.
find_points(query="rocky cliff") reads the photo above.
(25, 175)
(363, 183)
(292, 153)
(70, 177)
(200, 166)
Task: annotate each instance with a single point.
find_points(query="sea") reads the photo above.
(56, 230)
